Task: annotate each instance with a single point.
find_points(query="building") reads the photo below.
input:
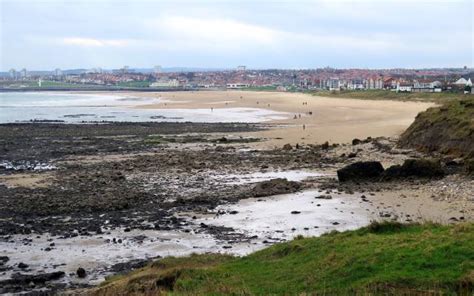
(125, 69)
(58, 72)
(157, 69)
(172, 83)
(237, 85)
(404, 87)
(23, 73)
(12, 74)
(389, 83)
(241, 68)
(463, 82)
(374, 83)
(333, 84)
(426, 85)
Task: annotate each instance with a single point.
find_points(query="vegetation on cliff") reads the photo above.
(448, 129)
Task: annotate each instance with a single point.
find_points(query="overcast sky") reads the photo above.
(43, 35)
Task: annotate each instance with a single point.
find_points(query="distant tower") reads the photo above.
(157, 69)
(58, 72)
(125, 69)
(12, 74)
(24, 73)
(241, 68)
(39, 82)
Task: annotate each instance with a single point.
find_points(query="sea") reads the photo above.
(84, 108)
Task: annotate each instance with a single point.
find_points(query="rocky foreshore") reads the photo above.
(95, 179)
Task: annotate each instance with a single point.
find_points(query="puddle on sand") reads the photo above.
(272, 217)
(96, 253)
(295, 175)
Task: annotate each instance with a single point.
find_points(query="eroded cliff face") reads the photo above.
(448, 129)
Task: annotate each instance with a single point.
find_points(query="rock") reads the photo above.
(421, 168)
(326, 196)
(352, 155)
(356, 141)
(325, 145)
(4, 259)
(364, 170)
(22, 265)
(26, 279)
(274, 187)
(469, 167)
(124, 267)
(335, 223)
(295, 212)
(81, 273)
(233, 212)
(287, 147)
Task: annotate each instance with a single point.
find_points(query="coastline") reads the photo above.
(154, 186)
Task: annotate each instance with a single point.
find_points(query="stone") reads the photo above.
(324, 196)
(81, 272)
(274, 187)
(22, 265)
(419, 168)
(363, 170)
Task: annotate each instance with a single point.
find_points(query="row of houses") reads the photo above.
(389, 83)
(424, 85)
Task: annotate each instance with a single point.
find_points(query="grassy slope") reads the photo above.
(390, 95)
(446, 129)
(383, 258)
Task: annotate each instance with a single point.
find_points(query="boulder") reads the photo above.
(81, 272)
(420, 168)
(287, 147)
(358, 171)
(469, 166)
(275, 186)
(22, 265)
(356, 141)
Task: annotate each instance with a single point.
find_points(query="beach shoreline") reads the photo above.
(311, 119)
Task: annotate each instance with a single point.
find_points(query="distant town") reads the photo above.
(329, 79)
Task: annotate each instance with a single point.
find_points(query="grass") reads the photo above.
(391, 95)
(134, 84)
(381, 259)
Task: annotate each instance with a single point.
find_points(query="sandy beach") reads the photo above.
(324, 119)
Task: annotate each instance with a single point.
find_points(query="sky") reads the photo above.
(49, 34)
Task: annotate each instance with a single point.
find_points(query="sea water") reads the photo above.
(76, 108)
